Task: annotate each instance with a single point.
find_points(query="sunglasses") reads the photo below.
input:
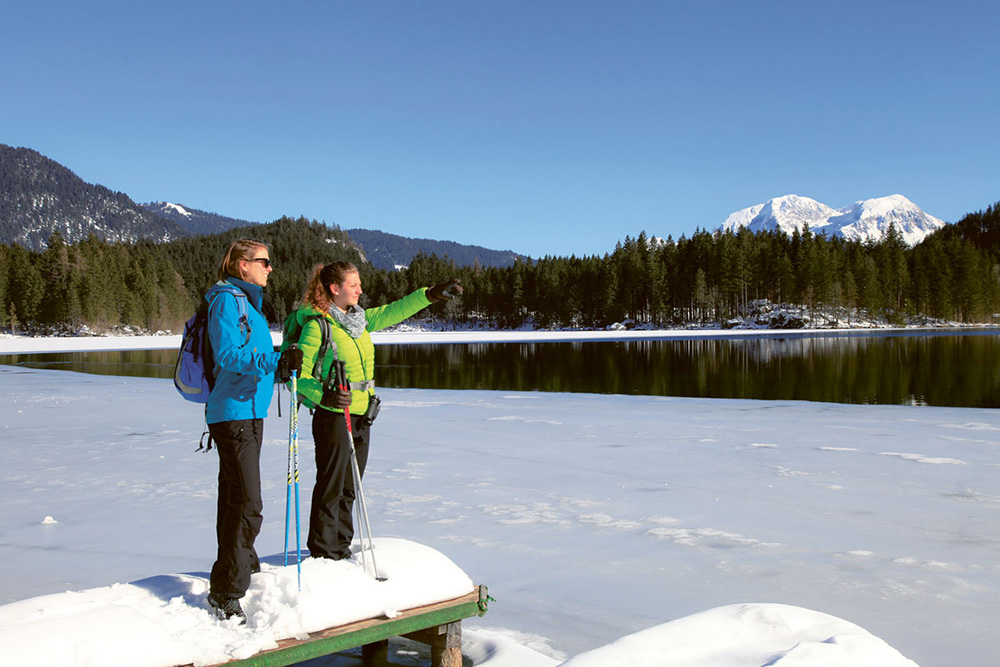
(263, 260)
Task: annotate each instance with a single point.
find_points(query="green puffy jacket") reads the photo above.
(358, 354)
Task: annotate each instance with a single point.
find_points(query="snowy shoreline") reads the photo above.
(589, 517)
(408, 335)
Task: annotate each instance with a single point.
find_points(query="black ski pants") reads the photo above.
(331, 528)
(239, 512)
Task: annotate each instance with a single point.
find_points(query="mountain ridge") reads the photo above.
(39, 196)
(193, 220)
(392, 251)
(862, 220)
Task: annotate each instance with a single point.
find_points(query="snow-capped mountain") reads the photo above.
(870, 219)
(863, 220)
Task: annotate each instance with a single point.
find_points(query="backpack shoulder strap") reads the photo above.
(325, 345)
(242, 303)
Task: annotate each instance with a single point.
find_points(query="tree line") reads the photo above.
(707, 279)
(101, 286)
(712, 279)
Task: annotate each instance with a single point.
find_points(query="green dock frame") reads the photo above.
(438, 625)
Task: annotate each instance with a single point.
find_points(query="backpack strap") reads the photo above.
(326, 344)
(241, 304)
(242, 301)
(206, 344)
(205, 443)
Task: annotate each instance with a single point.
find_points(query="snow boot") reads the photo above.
(226, 609)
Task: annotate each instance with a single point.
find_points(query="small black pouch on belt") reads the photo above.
(374, 405)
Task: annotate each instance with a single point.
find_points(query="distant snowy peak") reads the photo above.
(863, 220)
(177, 208)
(871, 218)
(786, 213)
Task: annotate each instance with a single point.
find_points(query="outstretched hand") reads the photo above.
(445, 291)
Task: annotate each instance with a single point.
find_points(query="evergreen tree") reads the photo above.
(893, 273)
(26, 286)
(5, 304)
(56, 274)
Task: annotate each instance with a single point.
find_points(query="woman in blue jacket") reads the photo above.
(245, 366)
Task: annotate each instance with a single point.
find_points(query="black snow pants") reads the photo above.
(239, 513)
(331, 528)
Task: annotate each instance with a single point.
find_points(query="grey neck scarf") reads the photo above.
(353, 321)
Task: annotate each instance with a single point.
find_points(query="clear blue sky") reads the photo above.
(547, 127)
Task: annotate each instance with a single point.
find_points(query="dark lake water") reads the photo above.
(961, 370)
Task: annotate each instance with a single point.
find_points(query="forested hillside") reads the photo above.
(705, 280)
(39, 197)
(981, 228)
(100, 286)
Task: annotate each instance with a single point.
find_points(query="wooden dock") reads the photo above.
(438, 625)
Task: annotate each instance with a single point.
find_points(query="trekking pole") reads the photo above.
(288, 493)
(295, 457)
(364, 527)
(293, 476)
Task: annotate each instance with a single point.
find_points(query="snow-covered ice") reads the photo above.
(163, 620)
(612, 530)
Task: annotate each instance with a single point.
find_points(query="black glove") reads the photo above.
(291, 360)
(446, 291)
(336, 398)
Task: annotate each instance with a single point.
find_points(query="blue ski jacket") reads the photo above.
(244, 367)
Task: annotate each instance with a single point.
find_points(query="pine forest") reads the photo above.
(707, 280)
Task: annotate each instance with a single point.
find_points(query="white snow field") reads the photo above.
(611, 530)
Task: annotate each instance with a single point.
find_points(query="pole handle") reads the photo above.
(340, 371)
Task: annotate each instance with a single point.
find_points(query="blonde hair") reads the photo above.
(238, 249)
(317, 292)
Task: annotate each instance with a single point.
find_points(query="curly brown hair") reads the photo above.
(317, 292)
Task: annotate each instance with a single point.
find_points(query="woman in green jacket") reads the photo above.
(332, 294)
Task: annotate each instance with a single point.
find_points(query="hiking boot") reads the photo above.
(226, 609)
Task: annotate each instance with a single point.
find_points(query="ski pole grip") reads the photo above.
(341, 370)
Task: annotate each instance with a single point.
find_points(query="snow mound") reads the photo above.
(164, 620)
(501, 647)
(748, 635)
